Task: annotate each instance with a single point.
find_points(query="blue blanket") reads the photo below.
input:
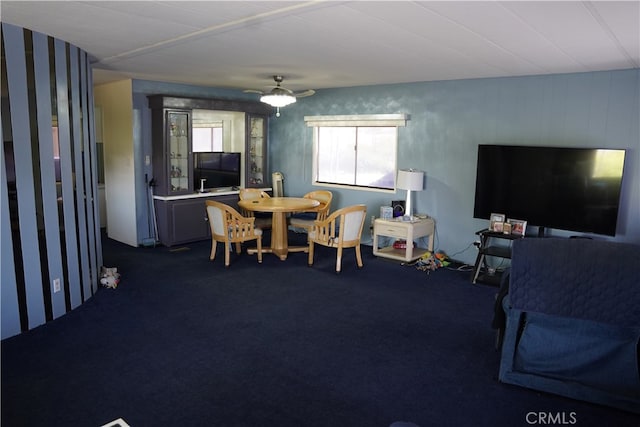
(573, 320)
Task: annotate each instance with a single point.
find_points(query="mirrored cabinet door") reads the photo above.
(257, 167)
(179, 147)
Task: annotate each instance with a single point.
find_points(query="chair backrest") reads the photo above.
(217, 213)
(351, 222)
(324, 197)
(277, 180)
(342, 228)
(250, 194)
(228, 225)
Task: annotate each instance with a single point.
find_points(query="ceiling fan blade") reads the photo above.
(304, 94)
(280, 90)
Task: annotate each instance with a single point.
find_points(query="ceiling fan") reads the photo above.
(280, 96)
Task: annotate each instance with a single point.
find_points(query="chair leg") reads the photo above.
(214, 245)
(227, 247)
(238, 248)
(259, 244)
(339, 260)
(359, 256)
(310, 259)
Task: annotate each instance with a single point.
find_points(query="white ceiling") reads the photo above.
(328, 44)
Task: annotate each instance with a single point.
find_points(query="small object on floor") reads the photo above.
(109, 277)
(403, 424)
(432, 261)
(117, 423)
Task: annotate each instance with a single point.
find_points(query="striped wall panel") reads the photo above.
(48, 185)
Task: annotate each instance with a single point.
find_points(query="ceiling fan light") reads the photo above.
(278, 100)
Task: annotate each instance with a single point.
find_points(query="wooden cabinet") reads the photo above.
(172, 121)
(180, 209)
(184, 220)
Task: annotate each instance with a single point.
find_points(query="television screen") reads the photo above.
(207, 161)
(576, 189)
(219, 169)
(230, 162)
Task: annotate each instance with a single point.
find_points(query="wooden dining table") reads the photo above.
(279, 207)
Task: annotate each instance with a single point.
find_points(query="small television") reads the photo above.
(574, 189)
(219, 169)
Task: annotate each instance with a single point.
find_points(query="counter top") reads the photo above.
(198, 195)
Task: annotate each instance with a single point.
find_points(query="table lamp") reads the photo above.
(410, 180)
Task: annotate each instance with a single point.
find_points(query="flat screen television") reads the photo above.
(575, 189)
(219, 169)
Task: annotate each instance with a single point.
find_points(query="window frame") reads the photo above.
(354, 121)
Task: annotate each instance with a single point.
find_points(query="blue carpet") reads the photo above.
(184, 341)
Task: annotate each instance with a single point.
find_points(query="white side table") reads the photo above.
(407, 230)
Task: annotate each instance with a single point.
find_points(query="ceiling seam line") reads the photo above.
(226, 25)
(594, 13)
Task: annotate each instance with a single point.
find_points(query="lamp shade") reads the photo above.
(410, 179)
(278, 99)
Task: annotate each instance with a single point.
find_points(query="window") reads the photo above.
(356, 151)
(207, 139)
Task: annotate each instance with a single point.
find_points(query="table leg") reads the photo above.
(279, 239)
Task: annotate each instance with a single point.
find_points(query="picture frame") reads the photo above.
(398, 208)
(507, 227)
(494, 219)
(518, 226)
(498, 227)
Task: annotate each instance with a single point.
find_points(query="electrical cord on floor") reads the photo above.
(461, 251)
(464, 268)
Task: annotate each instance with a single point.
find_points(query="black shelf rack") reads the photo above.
(489, 248)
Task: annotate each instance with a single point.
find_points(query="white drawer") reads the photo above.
(391, 231)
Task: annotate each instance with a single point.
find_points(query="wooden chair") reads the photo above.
(319, 213)
(263, 222)
(228, 226)
(342, 229)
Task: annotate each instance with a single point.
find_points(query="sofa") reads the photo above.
(572, 320)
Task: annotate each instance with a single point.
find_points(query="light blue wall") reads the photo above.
(448, 121)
